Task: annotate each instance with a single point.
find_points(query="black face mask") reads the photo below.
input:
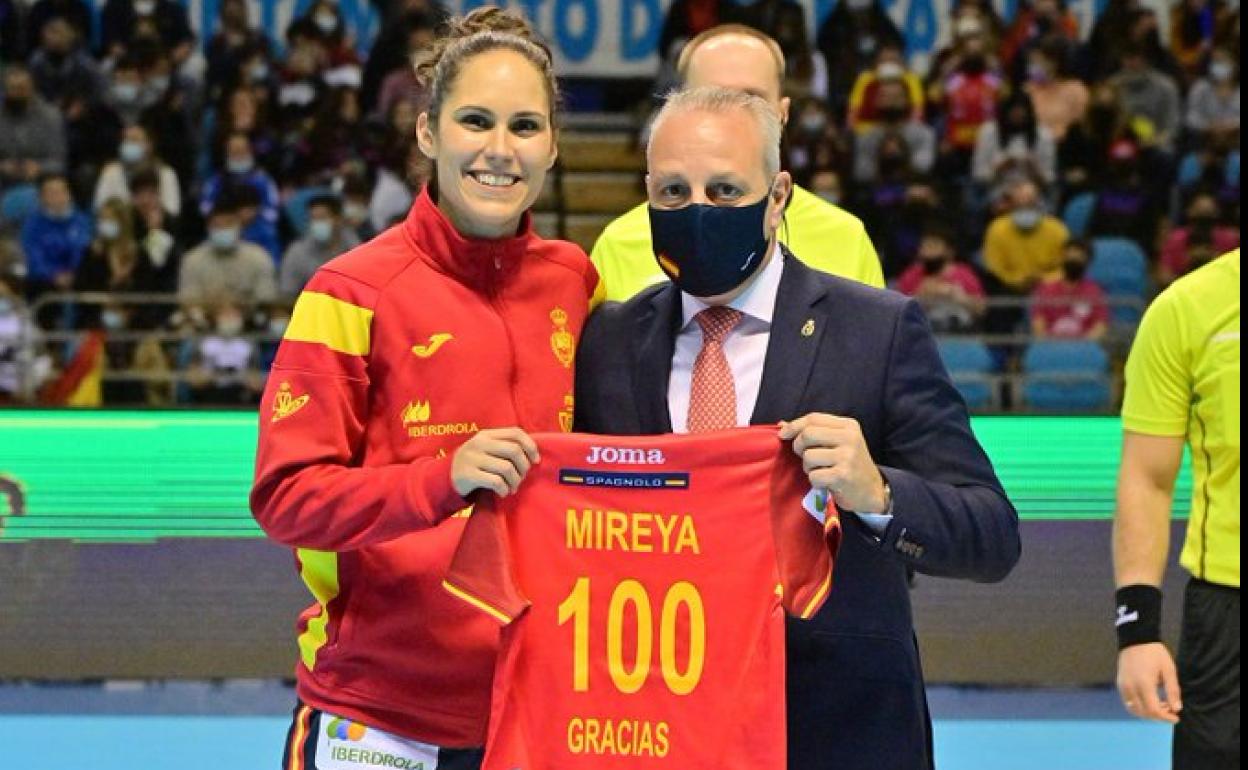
(975, 65)
(1074, 270)
(14, 105)
(710, 250)
(893, 114)
(933, 266)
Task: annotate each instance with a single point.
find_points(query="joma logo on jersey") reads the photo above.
(609, 455)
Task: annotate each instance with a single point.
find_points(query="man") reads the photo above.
(54, 238)
(225, 268)
(32, 135)
(1024, 245)
(60, 66)
(326, 238)
(733, 56)
(1183, 387)
(1150, 94)
(879, 393)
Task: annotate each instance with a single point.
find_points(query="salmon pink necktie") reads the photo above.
(713, 395)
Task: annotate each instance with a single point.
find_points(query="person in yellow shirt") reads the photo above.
(822, 235)
(1183, 388)
(1024, 245)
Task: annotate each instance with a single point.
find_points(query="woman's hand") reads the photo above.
(496, 460)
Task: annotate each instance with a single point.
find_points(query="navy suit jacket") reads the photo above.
(856, 699)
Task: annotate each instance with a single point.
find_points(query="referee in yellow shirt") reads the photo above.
(821, 235)
(1183, 387)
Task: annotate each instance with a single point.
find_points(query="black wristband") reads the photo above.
(1138, 619)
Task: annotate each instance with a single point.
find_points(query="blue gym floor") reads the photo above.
(241, 725)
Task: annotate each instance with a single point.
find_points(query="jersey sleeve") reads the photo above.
(482, 572)
(805, 548)
(310, 490)
(1158, 388)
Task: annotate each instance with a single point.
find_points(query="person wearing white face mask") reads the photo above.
(325, 239)
(223, 370)
(1213, 103)
(1024, 245)
(224, 267)
(134, 154)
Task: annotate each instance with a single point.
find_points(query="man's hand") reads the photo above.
(496, 460)
(1142, 670)
(835, 456)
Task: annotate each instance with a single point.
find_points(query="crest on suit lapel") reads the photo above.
(561, 340)
(808, 330)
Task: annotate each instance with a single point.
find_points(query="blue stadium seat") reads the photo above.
(971, 366)
(1078, 214)
(1121, 269)
(17, 203)
(1066, 376)
(296, 206)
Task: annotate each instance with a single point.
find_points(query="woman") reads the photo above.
(135, 154)
(407, 380)
(1014, 143)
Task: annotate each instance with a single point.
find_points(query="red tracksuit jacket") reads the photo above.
(397, 353)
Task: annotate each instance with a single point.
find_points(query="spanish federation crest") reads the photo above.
(561, 340)
(286, 403)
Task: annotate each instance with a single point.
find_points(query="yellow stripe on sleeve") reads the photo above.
(813, 606)
(329, 321)
(319, 570)
(463, 595)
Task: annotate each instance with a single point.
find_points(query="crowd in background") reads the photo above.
(135, 158)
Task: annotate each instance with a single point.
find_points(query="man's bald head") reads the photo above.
(737, 57)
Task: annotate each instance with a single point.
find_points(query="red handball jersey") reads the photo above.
(643, 584)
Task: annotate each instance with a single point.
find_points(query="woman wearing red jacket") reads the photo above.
(406, 381)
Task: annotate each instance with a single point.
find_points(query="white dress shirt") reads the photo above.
(745, 347)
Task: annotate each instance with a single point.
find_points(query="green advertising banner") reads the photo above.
(127, 477)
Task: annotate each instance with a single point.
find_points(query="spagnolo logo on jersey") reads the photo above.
(612, 455)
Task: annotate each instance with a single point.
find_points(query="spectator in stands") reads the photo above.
(895, 115)
(1084, 154)
(32, 135)
(1193, 26)
(813, 141)
(223, 368)
(172, 112)
(806, 71)
(392, 49)
(1024, 244)
(1203, 225)
(156, 229)
(898, 205)
(324, 23)
(1070, 305)
(968, 98)
(850, 40)
(864, 100)
(394, 189)
(135, 154)
(1213, 104)
(968, 22)
(1059, 99)
(123, 20)
(76, 12)
(224, 268)
(1039, 22)
(332, 140)
(984, 11)
(1144, 33)
(255, 228)
(401, 85)
(125, 91)
(1111, 33)
(234, 42)
(686, 19)
(356, 192)
(61, 65)
(241, 169)
(1014, 144)
(242, 113)
(116, 262)
(1149, 95)
(949, 291)
(1127, 206)
(301, 79)
(826, 185)
(16, 331)
(54, 238)
(326, 238)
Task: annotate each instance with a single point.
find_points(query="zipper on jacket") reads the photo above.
(496, 302)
